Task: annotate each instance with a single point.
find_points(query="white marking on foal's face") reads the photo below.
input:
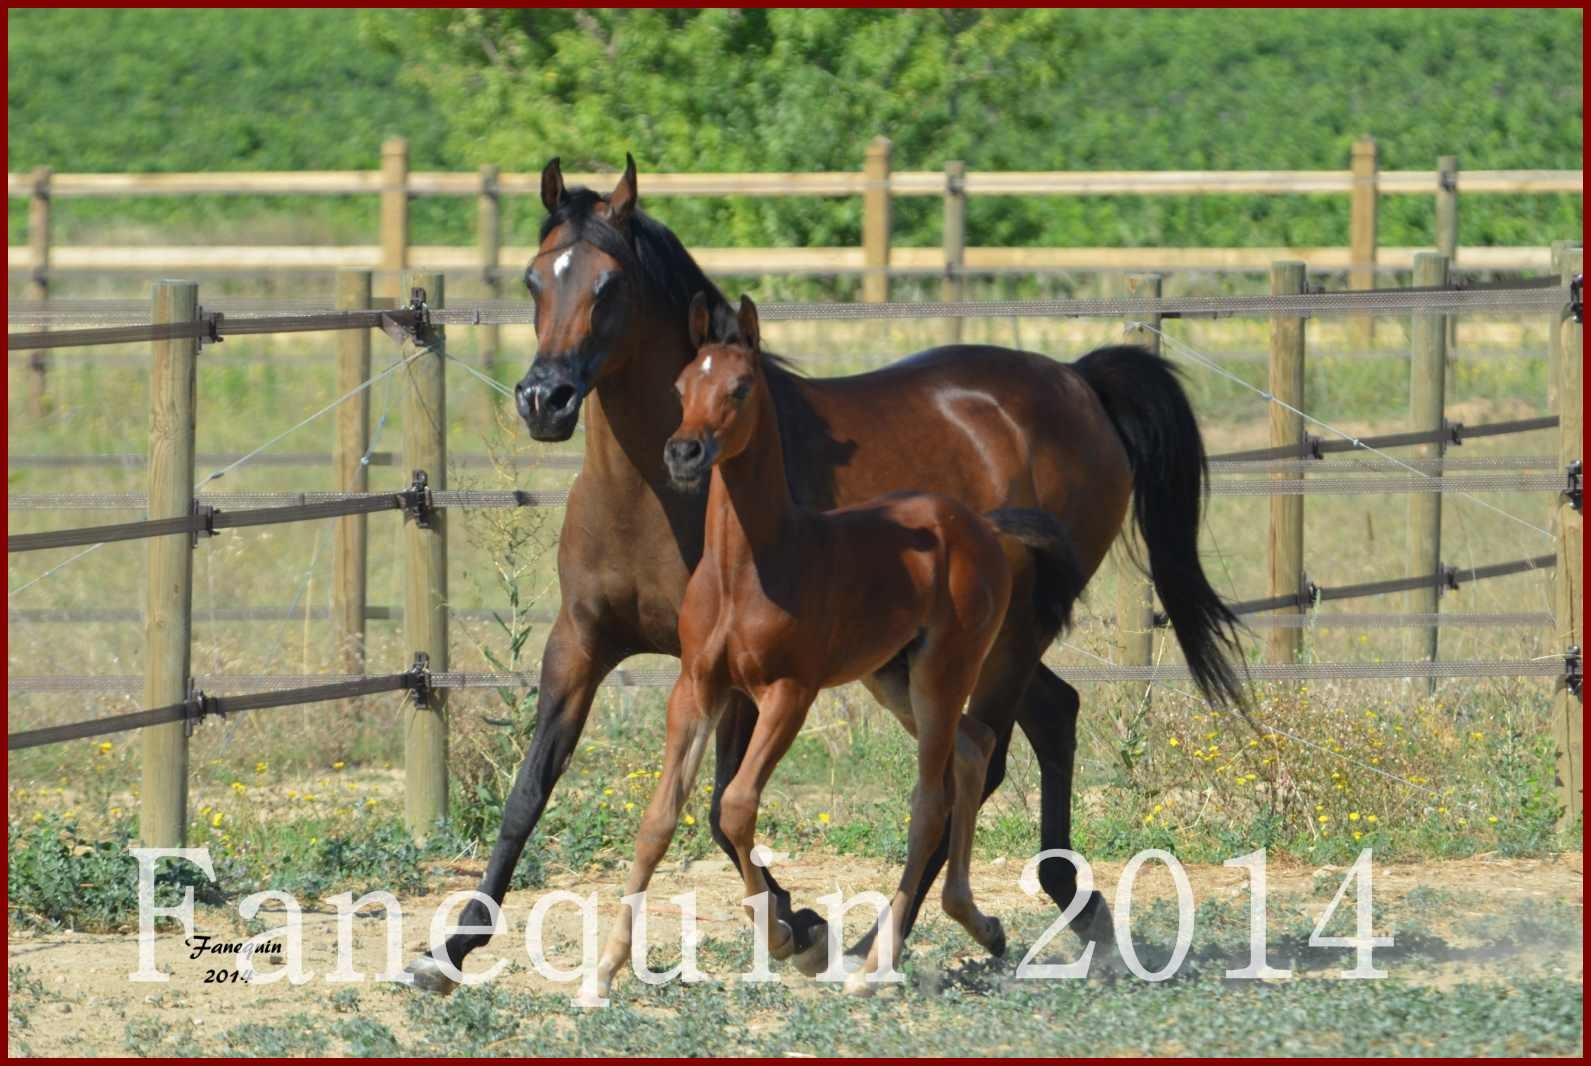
(707, 366)
(561, 264)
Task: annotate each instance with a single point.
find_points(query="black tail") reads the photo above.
(1060, 578)
(1142, 396)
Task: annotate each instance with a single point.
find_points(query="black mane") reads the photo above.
(669, 274)
(671, 277)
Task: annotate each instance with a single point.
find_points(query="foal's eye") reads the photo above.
(741, 391)
(533, 283)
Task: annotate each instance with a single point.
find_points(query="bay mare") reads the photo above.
(991, 427)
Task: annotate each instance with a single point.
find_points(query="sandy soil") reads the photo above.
(88, 1000)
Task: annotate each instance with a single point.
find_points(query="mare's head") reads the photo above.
(610, 286)
(720, 392)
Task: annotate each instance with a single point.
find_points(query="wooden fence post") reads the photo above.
(489, 237)
(1447, 225)
(1362, 231)
(39, 280)
(353, 475)
(1135, 593)
(1568, 707)
(1555, 330)
(1427, 392)
(394, 216)
(168, 622)
(875, 221)
(1285, 547)
(425, 577)
(953, 288)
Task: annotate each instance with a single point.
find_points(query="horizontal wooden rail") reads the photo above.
(750, 261)
(817, 183)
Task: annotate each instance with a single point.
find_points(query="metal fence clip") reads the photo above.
(418, 679)
(417, 503)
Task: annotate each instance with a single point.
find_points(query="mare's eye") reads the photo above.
(741, 391)
(604, 284)
(533, 283)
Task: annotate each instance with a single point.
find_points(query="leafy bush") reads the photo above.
(731, 90)
(58, 877)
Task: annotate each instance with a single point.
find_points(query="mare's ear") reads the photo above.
(746, 319)
(699, 319)
(552, 189)
(621, 202)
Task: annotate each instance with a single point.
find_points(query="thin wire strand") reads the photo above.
(345, 397)
(1208, 364)
(490, 382)
(362, 386)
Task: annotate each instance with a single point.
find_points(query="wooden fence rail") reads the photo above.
(876, 183)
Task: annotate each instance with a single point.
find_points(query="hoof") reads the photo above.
(858, 985)
(1097, 927)
(814, 960)
(428, 976)
(781, 940)
(996, 939)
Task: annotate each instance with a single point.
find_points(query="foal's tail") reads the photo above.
(1145, 401)
(1060, 577)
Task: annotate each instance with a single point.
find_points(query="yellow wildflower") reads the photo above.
(259, 767)
(215, 820)
(690, 820)
(823, 816)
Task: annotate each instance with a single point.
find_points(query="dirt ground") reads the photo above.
(87, 1001)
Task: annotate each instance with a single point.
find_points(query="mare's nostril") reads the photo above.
(561, 397)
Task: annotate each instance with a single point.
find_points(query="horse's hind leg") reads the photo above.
(975, 743)
(941, 677)
(1049, 718)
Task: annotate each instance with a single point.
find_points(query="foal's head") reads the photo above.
(720, 393)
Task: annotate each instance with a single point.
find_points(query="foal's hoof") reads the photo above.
(859, 986)
(781, 940)
(814, 960)
(428, 976)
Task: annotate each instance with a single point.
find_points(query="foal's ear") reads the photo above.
(699, 319)
(746, 318)
(552, 189)
(621, 202)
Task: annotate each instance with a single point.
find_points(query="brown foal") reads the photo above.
(787, 601)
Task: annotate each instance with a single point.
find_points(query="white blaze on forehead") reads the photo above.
(561, 264)
(707, 365)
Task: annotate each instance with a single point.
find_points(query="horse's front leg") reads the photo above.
(735, 728)
(781, 709)
(690, 724)
(574, 664)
